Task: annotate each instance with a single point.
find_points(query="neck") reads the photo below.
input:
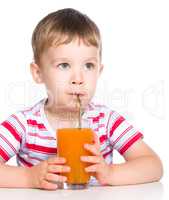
(59, 113)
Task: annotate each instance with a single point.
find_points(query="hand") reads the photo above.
(46, 174)
(99, 168)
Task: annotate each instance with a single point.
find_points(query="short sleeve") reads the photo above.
(11, 132)
(121, 133)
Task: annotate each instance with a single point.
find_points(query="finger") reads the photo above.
(92, 168)
(58, 168)
(55, 178)
(92, 148)
(48, 186)
(56, 160)
(96, 139)
(91, 159)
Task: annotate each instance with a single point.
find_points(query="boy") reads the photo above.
(67, 59)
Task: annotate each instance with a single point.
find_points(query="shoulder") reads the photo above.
(102, 114)
(34, 110)
(95, 110)
(20, 119)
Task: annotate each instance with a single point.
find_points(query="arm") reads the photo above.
(45, 175)
(9, 175)
(142, 165)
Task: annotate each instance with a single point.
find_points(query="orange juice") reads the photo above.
(70, 145)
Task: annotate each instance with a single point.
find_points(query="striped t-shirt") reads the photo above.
(28, 134)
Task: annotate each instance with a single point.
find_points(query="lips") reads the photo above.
(80, 93)
(77, 93)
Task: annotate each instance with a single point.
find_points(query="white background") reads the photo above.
(135, 54)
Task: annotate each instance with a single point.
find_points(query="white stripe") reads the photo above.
(125, 138)
(120, 129)
(42, 142)
(113, 119)
(11, 139)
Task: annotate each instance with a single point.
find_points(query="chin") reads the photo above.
(74, 108)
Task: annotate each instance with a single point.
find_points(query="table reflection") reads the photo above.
(151, 191)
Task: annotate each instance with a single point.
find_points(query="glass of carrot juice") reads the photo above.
(70, 145)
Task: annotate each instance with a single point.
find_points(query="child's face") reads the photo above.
(68, 70)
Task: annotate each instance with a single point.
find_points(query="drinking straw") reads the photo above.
(79, 112)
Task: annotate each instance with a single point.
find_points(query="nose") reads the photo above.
(77, 78)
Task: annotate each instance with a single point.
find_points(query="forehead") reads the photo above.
(72, 50)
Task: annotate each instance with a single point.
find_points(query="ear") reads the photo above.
(101, 69)
(36, 73)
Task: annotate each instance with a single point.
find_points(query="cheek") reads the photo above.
(55, 80)
(91, 84)
(92, 80)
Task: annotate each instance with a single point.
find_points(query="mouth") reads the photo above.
(81, 94)
(73, 98)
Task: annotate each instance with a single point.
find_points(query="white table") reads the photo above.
(151, 191)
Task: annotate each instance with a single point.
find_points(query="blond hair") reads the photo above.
(61, 27)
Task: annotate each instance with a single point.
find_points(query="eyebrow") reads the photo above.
(59, 59)
(66, 59)
(92, 58)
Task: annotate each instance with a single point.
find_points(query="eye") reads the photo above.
(89, 66)
(63, 66)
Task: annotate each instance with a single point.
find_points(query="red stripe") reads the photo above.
(41, 137)
(34, 158)
(106, 151)
(102, 115)
(109, 120)
(124, 132)
(99, 126)
(103, 138)
(12, 130)
(96, 119)
(130, 142)
(106, 154)
(107, 147)
(116, 124)
(37, 113)
(3, 154)
(25, 162)
(34, 123)
(8, 143)
(41, 149)
(21, 125)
